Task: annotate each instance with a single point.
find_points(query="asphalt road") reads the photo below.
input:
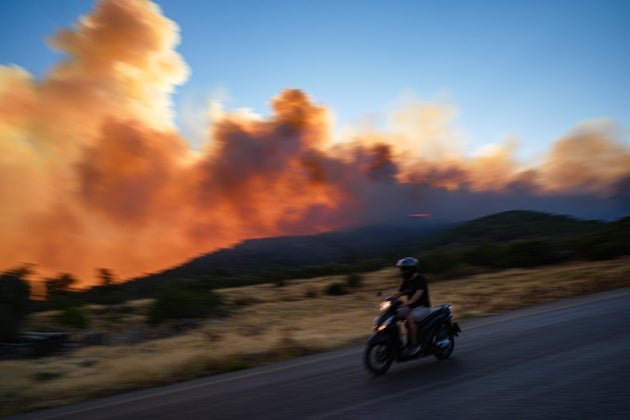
(568, 359)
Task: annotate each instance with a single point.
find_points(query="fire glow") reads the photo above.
(95, 173)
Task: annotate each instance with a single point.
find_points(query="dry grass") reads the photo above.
(268, 323)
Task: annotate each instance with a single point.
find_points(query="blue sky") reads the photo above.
(530, 69)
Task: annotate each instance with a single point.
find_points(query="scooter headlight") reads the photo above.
(385, 324)
(385, 305)
(380, 327)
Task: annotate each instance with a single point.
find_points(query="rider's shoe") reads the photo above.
(412, 351)
(442, 343)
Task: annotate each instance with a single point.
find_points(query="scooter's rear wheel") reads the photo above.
(378, 358)
(444, 342)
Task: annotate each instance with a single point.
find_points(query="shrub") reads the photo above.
(488, 255)
(73, 316)
(311, 292)
(337, 289)
(183, 301)
(46, 376)
(354, 280)
(440, 262)
(530, 253)
(88, 363)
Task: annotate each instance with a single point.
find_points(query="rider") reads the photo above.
(417, 305)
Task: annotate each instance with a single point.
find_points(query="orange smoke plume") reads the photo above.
(95, 174)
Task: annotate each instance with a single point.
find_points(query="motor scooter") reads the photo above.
(436, 335)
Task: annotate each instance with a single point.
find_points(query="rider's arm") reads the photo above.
(414, 298)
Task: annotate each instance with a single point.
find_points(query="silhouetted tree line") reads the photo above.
(59, 293)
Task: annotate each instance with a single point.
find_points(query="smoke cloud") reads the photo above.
(95, 173)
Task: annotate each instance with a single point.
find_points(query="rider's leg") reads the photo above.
(413, 329)
(413, 317)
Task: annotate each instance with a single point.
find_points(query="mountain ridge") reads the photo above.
(387, 240)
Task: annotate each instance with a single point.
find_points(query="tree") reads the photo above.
(14, 297)
(106, 276)
(59, 285)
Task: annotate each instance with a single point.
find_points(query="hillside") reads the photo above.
(381, 241)
(347, 246)
(373, 247)
(511, 226)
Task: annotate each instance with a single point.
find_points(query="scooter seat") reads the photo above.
(433, 311)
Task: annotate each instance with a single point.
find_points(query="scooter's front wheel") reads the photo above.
(378, 358)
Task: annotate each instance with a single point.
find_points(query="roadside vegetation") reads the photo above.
(260, 324)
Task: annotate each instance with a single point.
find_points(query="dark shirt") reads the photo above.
(409, 287)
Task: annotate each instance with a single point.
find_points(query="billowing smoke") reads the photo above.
(95, 173)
